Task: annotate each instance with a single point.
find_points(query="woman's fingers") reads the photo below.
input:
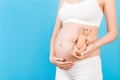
(66, 68)
(54, 60)
(61, 63)
(85, 52)
(65, 65)
(76, 56)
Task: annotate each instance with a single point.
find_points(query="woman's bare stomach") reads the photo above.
(64, 44)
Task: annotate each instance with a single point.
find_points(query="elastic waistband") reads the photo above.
(89, 60)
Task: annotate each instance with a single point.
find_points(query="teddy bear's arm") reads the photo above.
(75, 38)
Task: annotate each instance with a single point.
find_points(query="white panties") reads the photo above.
(87, 69)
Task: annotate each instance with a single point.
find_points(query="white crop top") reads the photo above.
(86, 12)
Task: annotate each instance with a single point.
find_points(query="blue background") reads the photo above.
(25, 30)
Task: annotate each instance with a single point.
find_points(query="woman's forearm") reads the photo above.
(109, 37)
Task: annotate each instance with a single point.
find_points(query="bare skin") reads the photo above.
(61, 45)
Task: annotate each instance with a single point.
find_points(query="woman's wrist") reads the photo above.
(96, 45)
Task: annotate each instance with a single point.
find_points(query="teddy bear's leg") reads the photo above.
(74, 38)
(78, 52)
(74, 50)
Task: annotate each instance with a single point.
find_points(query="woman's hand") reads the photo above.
(61, 63)
(89, 49)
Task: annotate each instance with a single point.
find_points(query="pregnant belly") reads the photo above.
(63, 42)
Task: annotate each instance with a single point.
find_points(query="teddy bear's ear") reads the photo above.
(81, 28)
(91, 30)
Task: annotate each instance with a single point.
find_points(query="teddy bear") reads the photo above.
(80, 41)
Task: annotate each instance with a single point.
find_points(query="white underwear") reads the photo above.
(88, 69)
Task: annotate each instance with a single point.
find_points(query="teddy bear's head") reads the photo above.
(85, 31)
